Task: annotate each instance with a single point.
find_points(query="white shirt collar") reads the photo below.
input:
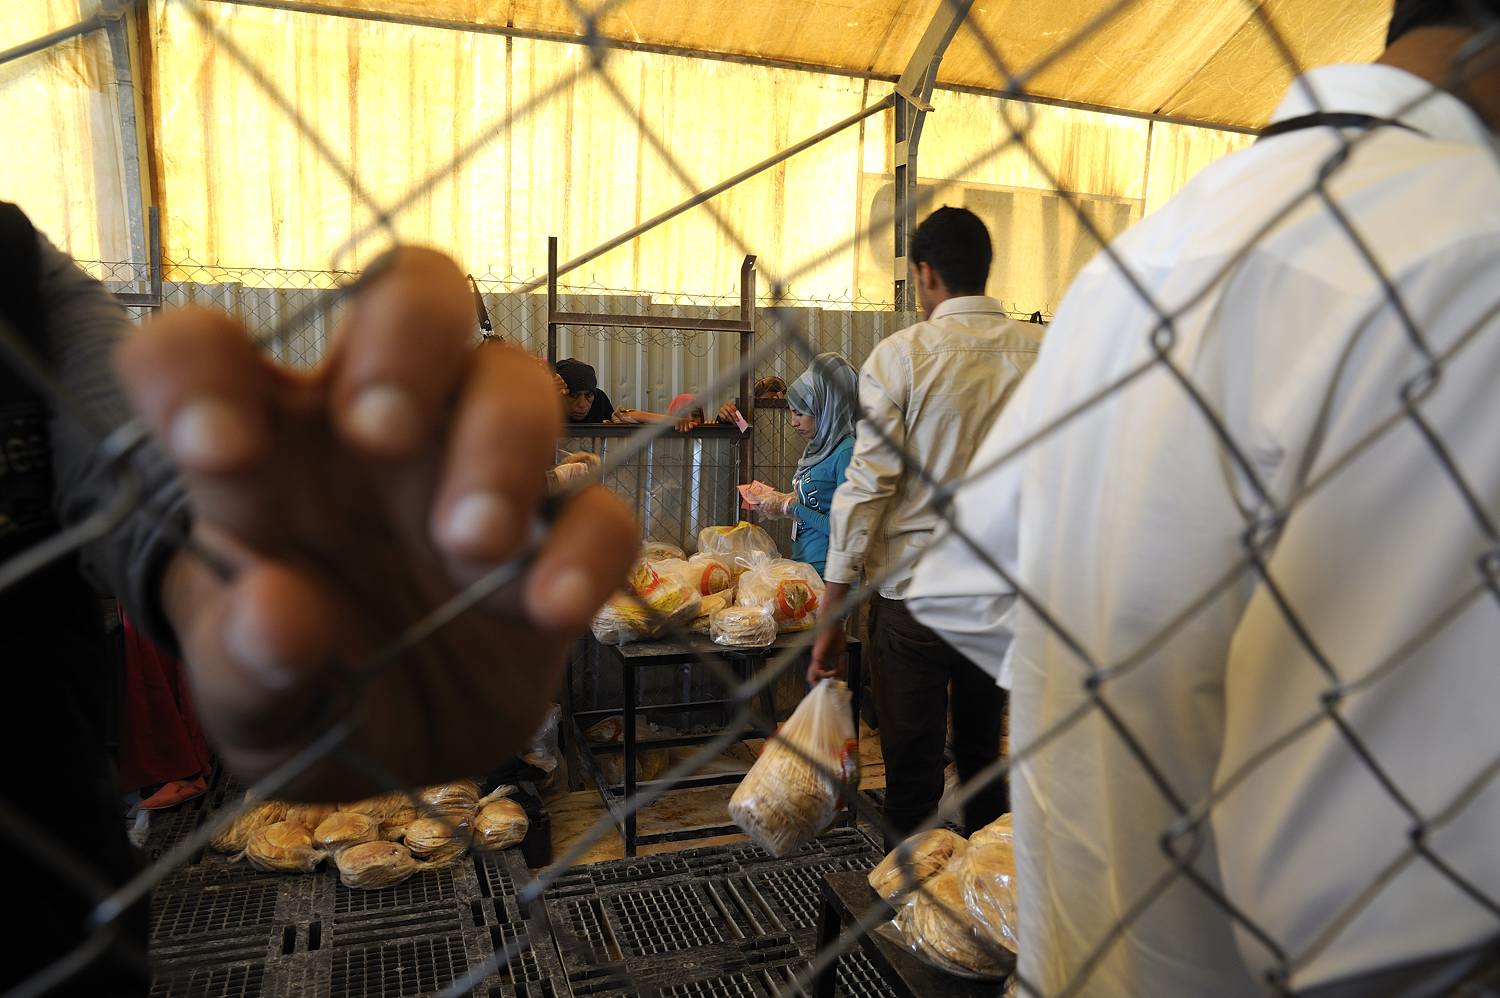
(966, 303)
(1385, 92)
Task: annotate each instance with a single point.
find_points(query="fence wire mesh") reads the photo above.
(293, 316)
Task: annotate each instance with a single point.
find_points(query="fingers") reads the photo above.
(501, 445)
(204, 389)
(259, 651)
(400, 354)
(585, 558)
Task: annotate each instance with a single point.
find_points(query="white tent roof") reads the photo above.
(1215, 61)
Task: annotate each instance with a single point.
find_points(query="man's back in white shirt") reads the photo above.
(1127, 524)
(932, 389)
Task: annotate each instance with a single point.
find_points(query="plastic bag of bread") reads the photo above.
(309, 815)
(998, 830)
(343, 829)
(236, 836)
(283, 847)
(987, 876)
(622, 620)
(500, 825)
(710, 572)
(735, 543)
(793, 791)
(393, 828)
(914, 862)
(707, 607)
(705, 574)
(937, 924)
(458, 799)
(660, 551)
(441, 840)
(667, 600)
(372, 865)
(743, 627)
(649, 763)
(380, 808)
(393, 811)
(792, 591)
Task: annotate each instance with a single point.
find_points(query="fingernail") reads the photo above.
(568, 597)
(210, 433)
(253, 653)
(477, 520)
(384, 418)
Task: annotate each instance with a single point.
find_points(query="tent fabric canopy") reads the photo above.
(1224, 63)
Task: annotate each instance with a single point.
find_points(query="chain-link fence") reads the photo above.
(1359, 638)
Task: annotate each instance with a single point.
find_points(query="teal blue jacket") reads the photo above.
(815, 488)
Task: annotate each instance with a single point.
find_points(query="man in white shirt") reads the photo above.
(1291, 731)
(930, 390)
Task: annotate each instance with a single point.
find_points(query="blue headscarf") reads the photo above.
(829, 392)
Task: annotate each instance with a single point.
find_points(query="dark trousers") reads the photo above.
(916, 669)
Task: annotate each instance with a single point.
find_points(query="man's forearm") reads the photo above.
(834, 595)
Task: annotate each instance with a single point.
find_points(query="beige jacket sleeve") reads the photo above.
(859, 505)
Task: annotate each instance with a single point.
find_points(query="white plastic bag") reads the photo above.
(743, 627)
(705, 574)
(791, 591)
(622, 618)
(660, 551)
(542, 750)
(737, 542)
(793, 791)
(711, 573)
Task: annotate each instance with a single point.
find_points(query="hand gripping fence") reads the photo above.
(1266, 519)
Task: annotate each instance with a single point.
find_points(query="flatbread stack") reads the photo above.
(914, 862)
(939, 927)
(987, 876)
(743, 627)
(996, 831)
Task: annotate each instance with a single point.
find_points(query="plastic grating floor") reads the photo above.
(243, 981)
(170, 827)
(794, 890)
(226, 930)
(663, 926)
(664, 920)
(725, 921)
(401, 969)
(854, 977)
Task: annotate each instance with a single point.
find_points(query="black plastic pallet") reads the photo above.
(720, 920)
(706, 862)
(227, 930)
(239, 981)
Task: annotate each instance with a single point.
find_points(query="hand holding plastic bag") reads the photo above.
(794, 789)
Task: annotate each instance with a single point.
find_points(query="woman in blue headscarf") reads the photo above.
(824, 406)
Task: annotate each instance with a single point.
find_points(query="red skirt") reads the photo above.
(160, 739)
